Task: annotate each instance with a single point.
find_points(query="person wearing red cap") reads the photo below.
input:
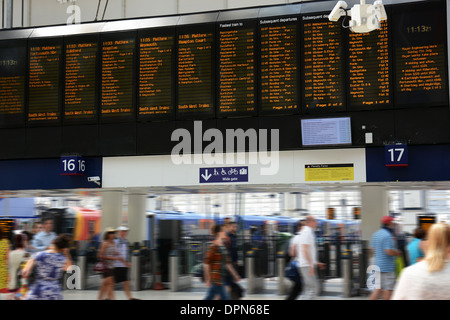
(384, 249)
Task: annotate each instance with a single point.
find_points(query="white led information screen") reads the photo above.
(326, 131)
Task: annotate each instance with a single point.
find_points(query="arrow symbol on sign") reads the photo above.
(206, 176)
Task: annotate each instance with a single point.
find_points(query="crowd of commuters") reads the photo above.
(426, 271)
(32, 264)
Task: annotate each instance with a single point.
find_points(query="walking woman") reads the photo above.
(428, 279)
(4, 252)
(108, 253)
(49, 265)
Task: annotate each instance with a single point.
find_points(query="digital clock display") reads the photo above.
(12, 83)
(419, 40)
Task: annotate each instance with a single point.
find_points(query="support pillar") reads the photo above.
(374, 205)
(111, 209)
(137, 221)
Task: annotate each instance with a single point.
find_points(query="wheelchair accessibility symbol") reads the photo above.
(223, 174)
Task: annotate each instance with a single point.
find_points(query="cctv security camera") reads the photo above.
(379, 10)
(338, 11)
(364, 17)
(95, 179)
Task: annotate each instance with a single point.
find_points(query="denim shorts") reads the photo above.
(387, 280)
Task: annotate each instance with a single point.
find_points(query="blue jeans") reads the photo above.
(216, 289)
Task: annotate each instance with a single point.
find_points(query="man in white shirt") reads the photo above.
(307, 258)
(297, 286)
(121, 268)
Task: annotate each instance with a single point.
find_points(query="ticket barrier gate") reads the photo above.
(283, 282)
(178, 281)
(143, 268)
(255, 283)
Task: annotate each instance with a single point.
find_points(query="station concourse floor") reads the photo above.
(332, 290)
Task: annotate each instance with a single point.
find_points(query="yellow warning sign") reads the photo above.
(329, 172)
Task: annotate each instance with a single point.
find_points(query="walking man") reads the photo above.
(121, 268)
(383, 246)
(307, 257)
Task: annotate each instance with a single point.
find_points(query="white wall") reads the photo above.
(52, 12)
(161, 171)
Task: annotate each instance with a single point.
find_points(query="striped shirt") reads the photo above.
(216, 258)
(381, 241)
(122, 249)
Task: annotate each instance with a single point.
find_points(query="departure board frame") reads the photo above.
(163, 86)
(237, 72)
(320, 94)
(82, 44)
(403, 118)
(269, 92)
(52, 92)
(370, 88)
(118, 106)
(189, 107)
(13, 64)
(413, 31)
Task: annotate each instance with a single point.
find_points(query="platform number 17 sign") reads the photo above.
(396, 155)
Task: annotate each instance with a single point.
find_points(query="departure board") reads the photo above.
(80, 81)
(195, 72)
(117, 97)
(236, 69)
(278, 65)
(420, 42)
(156, 70)
(44, 85)
(369, 67)
(12, 84)
(323, 65)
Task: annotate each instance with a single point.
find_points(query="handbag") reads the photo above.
(100, 266)
(292, 273)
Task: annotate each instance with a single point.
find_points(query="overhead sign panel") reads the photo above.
(223, 174)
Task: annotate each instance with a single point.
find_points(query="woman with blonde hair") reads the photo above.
(428, 279)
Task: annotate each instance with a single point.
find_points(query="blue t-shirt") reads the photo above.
(382, 240)
(414, 251)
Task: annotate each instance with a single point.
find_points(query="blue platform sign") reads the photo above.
(223, 174)
(72, 165)
(396, 155)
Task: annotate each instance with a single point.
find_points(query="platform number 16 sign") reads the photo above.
(73, 165)
(396, 155)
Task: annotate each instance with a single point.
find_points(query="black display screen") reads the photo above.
(117, 77)
(323, 78)
(369, 69)
(236, 68)
(44, 81)
(279, 65)
(420, 44)
(195, 66)
(156, 92)
(80, 76)
(13, 57)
